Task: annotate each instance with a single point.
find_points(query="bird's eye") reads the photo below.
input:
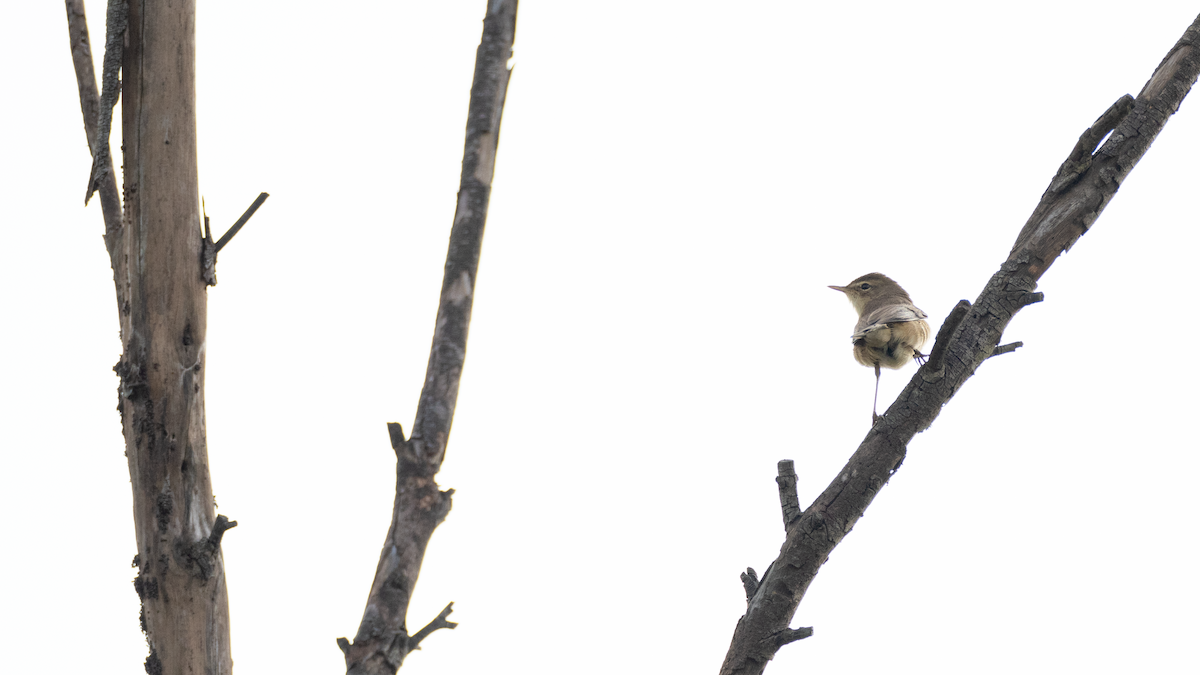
(865, 286)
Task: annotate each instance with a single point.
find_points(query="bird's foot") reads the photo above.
(920, 358)
(875, 417)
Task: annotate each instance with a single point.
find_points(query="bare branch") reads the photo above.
(438, 622)
(202, 557)
(1027, 299)
(750, 582)
(220, 527)
(382, 641)
(435, 411)
(1066, 210)
(1007, 349)
(791, 635)
(396, 435)
(209, 250)
(789, 501)
(89, 102)
(114, 47)
(236, 227)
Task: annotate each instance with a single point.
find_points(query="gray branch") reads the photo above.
(1008, 348)
(209, 250)
(435, 411)
(114, 47)
(1076, 196)
(89, 102)
(382, 641)
(789, 501)
(750, 583)
(438, 622)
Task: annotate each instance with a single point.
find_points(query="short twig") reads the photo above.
(438, 622)
(221, 525)
(1007, 349)
(200, 557)
(209, 250)
(240, 222)
(789, 501)
(396, 434)
(750, 582)
(790, 635)
(1028, 299)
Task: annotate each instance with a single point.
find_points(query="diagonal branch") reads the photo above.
(383, 641)
(1076, 197)
(114, 50)
(209, 250)
(237, 226)
(435, 412)
(89, 101)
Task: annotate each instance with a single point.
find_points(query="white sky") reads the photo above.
(677, 184)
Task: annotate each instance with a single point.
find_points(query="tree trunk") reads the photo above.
(162, 301)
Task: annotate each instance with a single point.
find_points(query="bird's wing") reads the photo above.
(882, 316)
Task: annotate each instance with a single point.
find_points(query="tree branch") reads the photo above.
(435, 411)
(750, 582)
(209, 250)
(89, 102)
(117, 21)
(237, 226)
(1075, 198)
(791, 635)
(382, 641)
(438, 622)
(789, 501)
(1007, 349)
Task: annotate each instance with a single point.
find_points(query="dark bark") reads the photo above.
(208, 263)
(383, 640)
(162, 306)
(1077, 195)
(89, 101)
(116, 26)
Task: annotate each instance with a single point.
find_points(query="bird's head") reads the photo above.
(868, 287)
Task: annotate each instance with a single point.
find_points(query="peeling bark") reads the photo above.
(1077, 194)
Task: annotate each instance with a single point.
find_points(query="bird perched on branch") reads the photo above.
(890, 329)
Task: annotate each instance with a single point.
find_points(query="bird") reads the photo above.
(890, 329)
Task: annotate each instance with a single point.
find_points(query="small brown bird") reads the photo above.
(890, 329)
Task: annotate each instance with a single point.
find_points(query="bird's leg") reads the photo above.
(875, 403)
(920, 358)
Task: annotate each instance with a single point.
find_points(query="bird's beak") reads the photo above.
(839, 288)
